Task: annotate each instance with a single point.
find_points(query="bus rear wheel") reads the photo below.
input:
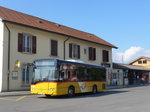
(47, 95)
(71, 91)
(94, 90)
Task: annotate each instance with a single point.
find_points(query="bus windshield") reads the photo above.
(42, 74)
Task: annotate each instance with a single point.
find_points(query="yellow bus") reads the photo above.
(54, 77)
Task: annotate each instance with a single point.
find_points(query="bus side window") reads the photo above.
(68, 75)
(61, 77)
(74, 76)
(90, 78)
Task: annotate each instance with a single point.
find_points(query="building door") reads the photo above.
(27, 71)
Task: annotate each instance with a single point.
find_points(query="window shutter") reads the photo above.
(107, 56)
(70, 50)
(94, 53)
(78, 52)
(90, 53)
(103, 56)
(20, 42)
(54, 47)
(34, 44)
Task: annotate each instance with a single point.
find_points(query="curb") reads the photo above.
(126, 86)
(15, 93)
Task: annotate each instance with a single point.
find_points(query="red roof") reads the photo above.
(12, 16)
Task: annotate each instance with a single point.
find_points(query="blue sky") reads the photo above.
(124, 23)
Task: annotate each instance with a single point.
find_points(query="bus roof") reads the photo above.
(72, 62)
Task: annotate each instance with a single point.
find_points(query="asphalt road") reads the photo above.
(135, 99)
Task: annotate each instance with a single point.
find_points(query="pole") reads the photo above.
(8, 67)
(65, 48)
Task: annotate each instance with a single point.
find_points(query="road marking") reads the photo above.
(18, 99)
(7, 99)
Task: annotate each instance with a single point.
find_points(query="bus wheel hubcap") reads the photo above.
(71, 92)
(94, 89)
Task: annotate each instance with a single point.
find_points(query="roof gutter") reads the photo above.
(58, 33)
(8, 64)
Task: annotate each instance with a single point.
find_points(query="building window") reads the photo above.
(144, 61)
(139, 62)
(54, 47)
(26, 43)
(84, 50)
(92, 53)
(74, 51)
(105, 56)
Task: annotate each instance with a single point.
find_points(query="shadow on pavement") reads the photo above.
(85, 95)
(109, 91)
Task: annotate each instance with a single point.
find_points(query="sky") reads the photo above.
(124, 23)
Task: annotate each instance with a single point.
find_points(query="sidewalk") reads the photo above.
(15, 93)
(125, 86)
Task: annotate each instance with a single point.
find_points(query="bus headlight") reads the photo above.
(32, 87)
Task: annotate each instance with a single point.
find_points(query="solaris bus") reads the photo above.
(54, 77)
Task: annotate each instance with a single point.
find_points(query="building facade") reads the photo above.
(141, 61)
(25, 38)
(124, 74)
(144, 62)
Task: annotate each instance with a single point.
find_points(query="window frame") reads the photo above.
(26, 43)
(105, 55)
(53, 53)
(144, 61)
(92, 53)
(139, 62)
(74, 51)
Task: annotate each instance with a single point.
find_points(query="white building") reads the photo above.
(25, 38)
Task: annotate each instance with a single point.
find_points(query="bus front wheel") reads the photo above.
(71, 91)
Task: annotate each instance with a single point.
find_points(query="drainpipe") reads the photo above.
(65, 47)
(8, 74)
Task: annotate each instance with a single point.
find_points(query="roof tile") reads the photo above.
(28, 20)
